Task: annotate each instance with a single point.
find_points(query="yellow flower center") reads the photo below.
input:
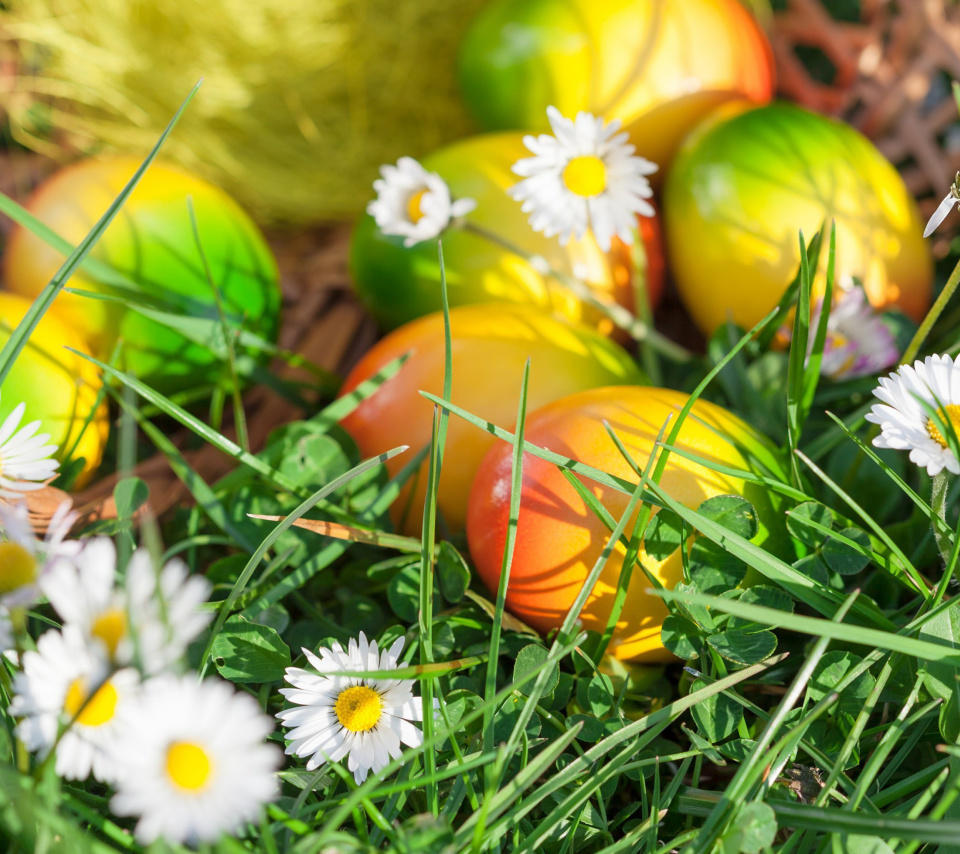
(585, 175)
(414, 211)
(98, 711)
(111, 628)
(952, 414)
(358, 708)
(17, 567)
(188, 765)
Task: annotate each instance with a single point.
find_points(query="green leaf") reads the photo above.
(249, 652)
(718, 716)
(736, 514)
(813, 567)
(856, 844)
(453, 574)
(753, 829)
(530, 658)
(704, 746)
(681, 636)
(769, 597)
(940, 677)
(699, 615)
(662, 536)
(713, 569)
(130, 494)
(592, 728)
(803, 533)
(827, 675)
(403, 593)
(508, 715)
(742, 647)
(844, 558)
(596, 694)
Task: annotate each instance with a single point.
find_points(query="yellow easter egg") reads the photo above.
(58, 387)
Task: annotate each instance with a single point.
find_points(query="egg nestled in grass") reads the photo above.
(162, 312)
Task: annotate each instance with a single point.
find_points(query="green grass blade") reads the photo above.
(275, 534)
(18, 339)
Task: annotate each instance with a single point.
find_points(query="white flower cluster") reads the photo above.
(107, 694)
(584, 175)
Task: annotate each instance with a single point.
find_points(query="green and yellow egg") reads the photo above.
(749, 179)
(657, 66)
(165, 264)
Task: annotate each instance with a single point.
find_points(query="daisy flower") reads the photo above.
(858, 341)
(25, 559)
(414, 203)
(151, 619)
(585, 174)
(950, 200)
(363, 719)
(192, 762)
(906, 425)
(64, 682)
(25, 462)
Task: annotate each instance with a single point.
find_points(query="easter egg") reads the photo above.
(490, 345)
(748, 180)
(559, 539)
(59, 388)
(398, 284)
(658, 67)
(153, 244)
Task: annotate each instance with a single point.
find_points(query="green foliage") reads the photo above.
(813, 703)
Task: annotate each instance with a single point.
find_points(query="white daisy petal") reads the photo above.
(364, 720)
(24, 455)
(65, 682)
(413, 203)
(940, 214)
(905, 424)
(149, 621)
(192, 760)
(585, 175)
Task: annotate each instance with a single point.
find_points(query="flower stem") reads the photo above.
(932, 316)
(621, 317)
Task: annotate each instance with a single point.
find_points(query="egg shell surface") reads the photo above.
(151, 242)
(490, 345)
(559, 539)
(657, 66)
(58, 387)
(749, 180)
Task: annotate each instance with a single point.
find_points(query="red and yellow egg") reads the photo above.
(559, 539)
(153, 244)
(490, 345)
(398, 284)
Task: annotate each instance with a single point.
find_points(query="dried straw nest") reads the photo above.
(301, 100)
